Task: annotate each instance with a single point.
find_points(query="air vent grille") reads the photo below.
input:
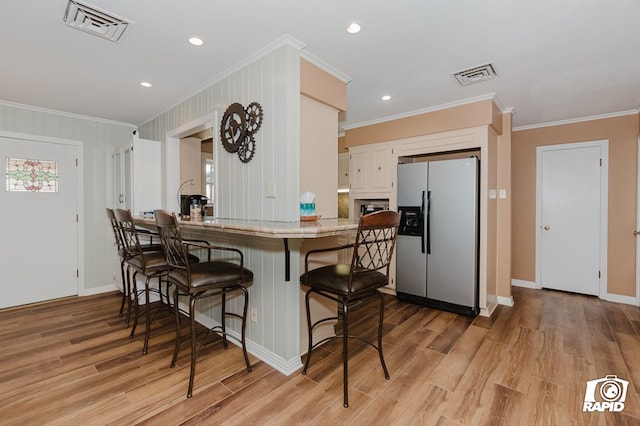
(476, 75)
(94, 21)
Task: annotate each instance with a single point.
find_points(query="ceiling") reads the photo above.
(555, 60)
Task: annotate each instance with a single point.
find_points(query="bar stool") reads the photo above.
(124, 255)
(201, 280)
(150, 264)
(350, 284)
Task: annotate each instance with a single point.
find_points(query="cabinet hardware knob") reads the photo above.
(547, 227)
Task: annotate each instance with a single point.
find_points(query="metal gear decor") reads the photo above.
(247, 149)
(233, 127)
(238, 127)
(254, 117)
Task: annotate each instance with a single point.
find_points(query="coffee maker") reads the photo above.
(186, 201)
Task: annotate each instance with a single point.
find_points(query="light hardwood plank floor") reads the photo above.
(69, 362)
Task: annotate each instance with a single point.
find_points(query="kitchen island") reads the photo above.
(208, 227)
(274, 251)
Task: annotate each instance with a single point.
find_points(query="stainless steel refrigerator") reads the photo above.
(437, 245)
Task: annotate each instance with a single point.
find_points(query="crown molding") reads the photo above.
(577, 120)
(492, 96)
(66, 114)
(325, 66)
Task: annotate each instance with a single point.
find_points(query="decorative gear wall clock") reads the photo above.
(238, 127)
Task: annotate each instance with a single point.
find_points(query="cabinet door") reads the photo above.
(381, 179)
(123, 177)
(343, 170)
(358, 175)
(137, 175)
(147, 160)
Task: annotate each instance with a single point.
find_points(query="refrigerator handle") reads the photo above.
(422, 213)
(428, 230)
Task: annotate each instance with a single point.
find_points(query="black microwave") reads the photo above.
(370, 208)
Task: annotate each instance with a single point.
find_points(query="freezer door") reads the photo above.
(412, 181)
(411, 266)
(453, 262)
(411, 260)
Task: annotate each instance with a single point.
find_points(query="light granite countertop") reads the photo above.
(264, 228)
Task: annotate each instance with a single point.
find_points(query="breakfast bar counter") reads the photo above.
(274, 251)
(265, 229)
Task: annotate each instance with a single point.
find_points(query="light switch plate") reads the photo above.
(270, 189)
(502, 193)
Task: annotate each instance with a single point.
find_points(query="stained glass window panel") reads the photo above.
(27, 175)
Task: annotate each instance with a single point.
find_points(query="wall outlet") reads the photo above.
(254, 314)
(270, 189)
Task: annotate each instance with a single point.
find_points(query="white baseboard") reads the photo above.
(284, 366)
(523, 283)
(320, 333)
(506, 301)
(492, 304)
(618, 298)
(97, 290)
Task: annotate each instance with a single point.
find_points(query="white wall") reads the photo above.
(99, 138)
(273, 80)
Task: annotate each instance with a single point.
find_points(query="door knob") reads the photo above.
(547, 227)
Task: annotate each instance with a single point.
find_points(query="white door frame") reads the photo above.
(171, 175)
(638, 229)
(604, 190)
(79, 196)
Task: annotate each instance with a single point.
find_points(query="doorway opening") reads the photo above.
(189, 150)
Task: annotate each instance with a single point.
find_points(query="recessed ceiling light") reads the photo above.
(196, 41)
(386, 97)
(354, 28)
(146, 84)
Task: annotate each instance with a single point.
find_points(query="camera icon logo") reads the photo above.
(605, 394)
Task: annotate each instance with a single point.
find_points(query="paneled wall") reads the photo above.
(98, 139)
(273, 80)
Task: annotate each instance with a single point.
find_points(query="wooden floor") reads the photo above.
(70, 362)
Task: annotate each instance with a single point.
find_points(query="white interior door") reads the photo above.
(571, 237)
(39, 243)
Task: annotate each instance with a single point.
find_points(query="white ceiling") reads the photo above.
(556, 59)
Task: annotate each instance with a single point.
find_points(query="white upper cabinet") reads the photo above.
(137, 176)
(370, 168)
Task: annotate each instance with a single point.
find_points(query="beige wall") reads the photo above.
(504, 208)
(459, 117)
(342, 145)
(321, 86)
(622, 134)
(318, 158)
(190, 159)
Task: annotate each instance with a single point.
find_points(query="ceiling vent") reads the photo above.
(94, 21)
(476, 75)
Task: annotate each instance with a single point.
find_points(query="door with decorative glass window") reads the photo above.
(39, 240)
